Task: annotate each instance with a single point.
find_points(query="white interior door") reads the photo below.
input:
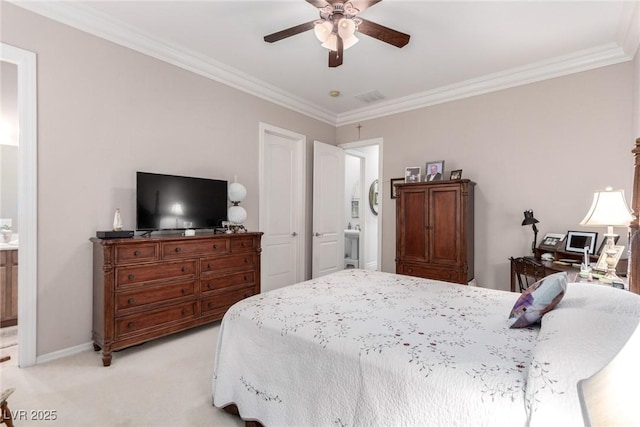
(281, 207)
(328, 209)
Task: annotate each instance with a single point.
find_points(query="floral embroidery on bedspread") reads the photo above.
(428, 324)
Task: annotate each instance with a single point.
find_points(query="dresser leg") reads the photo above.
(96, 347)
(106, 357)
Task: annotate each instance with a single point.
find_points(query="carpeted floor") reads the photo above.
(166, 382)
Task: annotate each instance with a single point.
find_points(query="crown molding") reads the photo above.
(602, 56)
(85, 19)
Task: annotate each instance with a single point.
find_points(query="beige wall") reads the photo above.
(544, 146)
(105, 112)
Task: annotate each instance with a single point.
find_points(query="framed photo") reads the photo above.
(434, 171)
(577, 240)
(602, 261)
(604, 243)
(551, 241)
(395, 181)
(456, 174)
(412, 174)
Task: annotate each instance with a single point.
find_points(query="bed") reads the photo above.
(362, 348)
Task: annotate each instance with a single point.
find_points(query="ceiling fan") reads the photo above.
(337, 26)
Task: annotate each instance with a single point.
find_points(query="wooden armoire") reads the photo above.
(434, 230)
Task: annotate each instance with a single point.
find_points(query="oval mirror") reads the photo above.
(373, 197)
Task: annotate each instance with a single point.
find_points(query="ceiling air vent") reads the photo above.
(370, 97)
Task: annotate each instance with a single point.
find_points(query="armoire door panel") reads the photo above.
(445, 226)
(414, 245)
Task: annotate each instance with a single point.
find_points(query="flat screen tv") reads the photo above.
(169, 202)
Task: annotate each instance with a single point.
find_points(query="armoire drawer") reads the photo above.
(139, 322)
(429, 273)
(154, 294)
(243, 244)
(132, 275)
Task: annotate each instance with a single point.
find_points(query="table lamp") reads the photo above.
(237, 214)
(530, 220)
(609, 209)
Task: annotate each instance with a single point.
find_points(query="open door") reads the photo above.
(328, 209)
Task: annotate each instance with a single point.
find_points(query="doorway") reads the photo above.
(368, 194)
(26, 216)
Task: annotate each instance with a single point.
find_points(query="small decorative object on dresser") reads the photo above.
(237, 214)
(434, 171)
(412, 174)
(117, 220)
(395, 181)
(456, 174)
(146, 288)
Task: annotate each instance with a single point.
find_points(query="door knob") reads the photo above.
(294, 234)
(319, 234)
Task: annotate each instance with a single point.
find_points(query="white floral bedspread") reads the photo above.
(363, 348)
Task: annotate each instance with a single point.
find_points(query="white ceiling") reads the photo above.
(457, 48)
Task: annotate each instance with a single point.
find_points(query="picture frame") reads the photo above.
(434, 171)
(601, 265)
(355, 209)
(455, 174)
(551, 241)
(577, 240)
(394, 181)
(412, 174)
(604, 243)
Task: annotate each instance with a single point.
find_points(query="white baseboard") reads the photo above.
(64, 353)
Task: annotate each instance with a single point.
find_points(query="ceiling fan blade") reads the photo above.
(383, 33)
(289, 32)
(363, 4)
(335, 56)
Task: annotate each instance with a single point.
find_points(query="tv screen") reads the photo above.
(169, 202)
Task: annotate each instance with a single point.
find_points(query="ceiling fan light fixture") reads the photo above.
(331, 42)
(323, 30)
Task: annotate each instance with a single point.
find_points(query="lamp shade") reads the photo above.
(609, 208)
(237, 192)
(528, 218)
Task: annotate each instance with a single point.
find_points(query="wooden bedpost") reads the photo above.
(634, 228)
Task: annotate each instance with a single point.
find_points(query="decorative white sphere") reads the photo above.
(237, 214)
(237, 192)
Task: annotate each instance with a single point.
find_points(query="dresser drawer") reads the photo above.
(210, 265)
(126, 254)
(158, 271)
(226, 281)
(139, 322)
(152, 294)
(185, 248)
(219, 304)
(243, 244)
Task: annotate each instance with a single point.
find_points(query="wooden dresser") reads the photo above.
(146, 288)
(8, 287)
(434, 230)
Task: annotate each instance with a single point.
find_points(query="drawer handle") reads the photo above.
(184, 269)
(132, 276)
(184, 291)
(130, 325)
(410, 270)
(184, 311)
(245, 278)
(246, 261)
(131, 301)
(242, 244)
(209, 266)
(178, 249)
(210, 305)
(136, 253)
(209, 285)
(215, 246)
